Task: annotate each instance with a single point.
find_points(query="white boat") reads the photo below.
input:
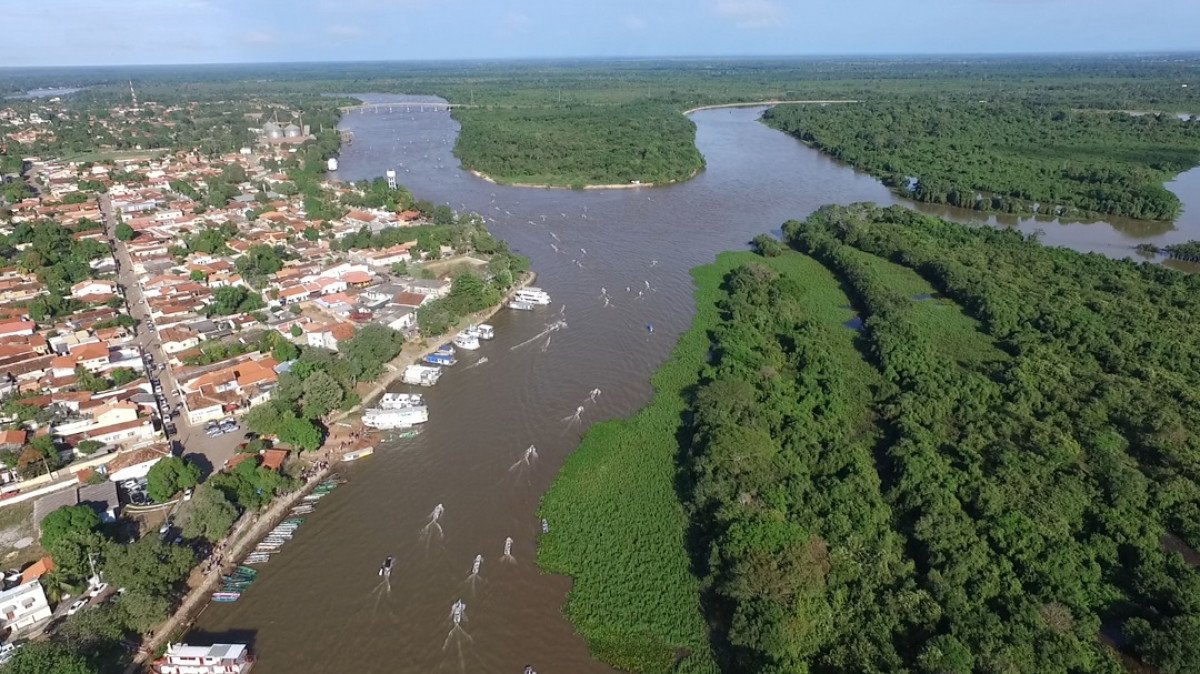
(467, 341)
(422, 375)
(215, 659)
(482, 331)
(520, 306)
(358, 454)
(532, 295)
(391, 419)
(398, 401)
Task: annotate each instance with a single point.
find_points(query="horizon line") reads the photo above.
(627, 58)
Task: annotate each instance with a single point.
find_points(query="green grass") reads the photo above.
(618, 527)
(949, 328)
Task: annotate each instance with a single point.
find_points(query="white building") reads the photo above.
(23, 606)
(215, 659)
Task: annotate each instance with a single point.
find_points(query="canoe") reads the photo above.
(247, 570)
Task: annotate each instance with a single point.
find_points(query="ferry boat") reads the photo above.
(421, 375)
(440, 359)
(520, 305)
(215, 659)
(482, 331)
(392, 419)
(397, 401)
(466, 340)
(532, 295)
(358, 454)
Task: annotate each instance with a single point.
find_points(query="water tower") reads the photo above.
(391, 178)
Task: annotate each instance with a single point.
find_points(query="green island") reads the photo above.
(1008, 156)
(900, 444)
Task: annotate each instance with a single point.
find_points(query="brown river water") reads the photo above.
(319, 605)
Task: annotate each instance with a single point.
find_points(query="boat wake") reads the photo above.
(477, 363)
(527, 458)
(508, 557)
(553, 327)
(433, 524)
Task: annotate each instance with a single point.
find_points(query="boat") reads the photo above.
(520, 305)
(421, 375)
(214, 659)
(302, 509)
(313, 497)
(396, 401)
(465, 340)
(247, 570)
(482, 331)
(440, 359)
(393, 419)
(532, 295)
(385, 569)
(405, 434)
(225, 597)
(258, 558)
(358, 454)
(445, 350)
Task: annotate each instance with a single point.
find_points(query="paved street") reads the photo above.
(192, 438)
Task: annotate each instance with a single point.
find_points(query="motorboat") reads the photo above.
(385, 569)
(358, 454)
(396, 401)
(421, 375)
(482, 331)
(532, 295)
(520, 305)
(440, 359)
(467, 341)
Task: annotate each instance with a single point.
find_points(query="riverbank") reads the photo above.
(616, 186)
(254, 526)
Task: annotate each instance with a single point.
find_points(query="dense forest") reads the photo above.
(909, 445)
(1007, 156)
(558, 146)
(567, 122)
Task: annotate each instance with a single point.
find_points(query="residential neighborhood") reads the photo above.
(149, 302)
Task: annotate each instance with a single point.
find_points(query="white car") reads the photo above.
(98, 590)
(78, 606)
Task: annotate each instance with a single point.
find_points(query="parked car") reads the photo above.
(98, 590)
(78, 605)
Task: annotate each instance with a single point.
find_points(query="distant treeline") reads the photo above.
(1014, 157)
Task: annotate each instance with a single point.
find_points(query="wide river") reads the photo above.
(320, 606)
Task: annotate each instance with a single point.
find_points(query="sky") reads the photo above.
(119, 32)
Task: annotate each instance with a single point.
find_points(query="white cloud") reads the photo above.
(258, 38)
(344, 32)
(634, 22)
(750, 13)
(513, 24)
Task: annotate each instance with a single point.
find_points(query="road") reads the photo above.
(192, 439)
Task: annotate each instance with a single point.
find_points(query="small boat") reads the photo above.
(247, 570)
(406, 434)
(465, 340)
(294, 520)
(385, 569)
(258, 558)
(313, 497)
(482, 331)
(532, 295)
(396, 401)
(440, 359)
(358, 454)
(520, 305)
(226, 597)
(445, 350)
(302, 510)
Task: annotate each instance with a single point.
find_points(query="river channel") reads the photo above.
(319, 605)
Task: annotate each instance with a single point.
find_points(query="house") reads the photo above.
(23, 607)
(329, 336)
(135, 463)
(38, 569)
(18, 328)
(102, 498)
(435, 288)
(93, 287)
(176, 339)
(274, 458)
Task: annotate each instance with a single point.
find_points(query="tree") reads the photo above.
(93, 630)
(170, 476)
(208, 515)
(67, 520)
(234, 300)
(250, 485)
(370, 348)
(322, 395)
(767, 245)
(149, 566)
(141, 611)
(296, 331)
(75, 551)
(125, 233)
(198, 276)
(48, 657)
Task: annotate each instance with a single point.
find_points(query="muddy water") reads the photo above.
(320, 606)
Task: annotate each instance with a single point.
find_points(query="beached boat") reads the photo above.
(482, 331)
(358, 454)
(397, 401)
(421, 375)
(440, 359)
(226, 597)
(393, 419)
(520, 305)
(466, 340)
(405, 434)
(258, 558)
(532, 295)
(246, 570)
